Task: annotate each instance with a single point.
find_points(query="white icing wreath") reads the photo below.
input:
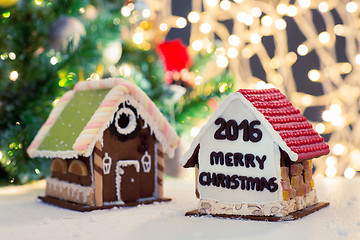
(132, 121)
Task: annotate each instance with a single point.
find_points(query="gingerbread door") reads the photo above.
(127, 180)
(132, 169)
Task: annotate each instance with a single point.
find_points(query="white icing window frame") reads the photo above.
(132, 121)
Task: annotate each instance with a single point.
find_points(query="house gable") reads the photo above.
(82, 141)
(228, 102)
(235, 162)
(289, 129)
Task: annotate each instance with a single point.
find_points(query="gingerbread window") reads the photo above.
(126, 121)
(59, 165)
(78, 167)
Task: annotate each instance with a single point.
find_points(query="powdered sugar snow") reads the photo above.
(22, 216)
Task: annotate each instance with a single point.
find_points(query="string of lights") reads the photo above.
(241, 31)
(252, 22)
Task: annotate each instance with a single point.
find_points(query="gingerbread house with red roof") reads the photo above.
(254, 157)
(106, 140)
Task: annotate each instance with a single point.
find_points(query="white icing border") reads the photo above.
(91, 159)
(73, 188)
(156, 186)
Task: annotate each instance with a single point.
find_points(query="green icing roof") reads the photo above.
(73, 120)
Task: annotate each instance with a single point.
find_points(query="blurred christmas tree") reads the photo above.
(47, 46)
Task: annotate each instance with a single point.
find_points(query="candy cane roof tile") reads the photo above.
(289, 129)
(106, 95)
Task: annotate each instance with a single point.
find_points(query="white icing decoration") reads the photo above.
(126, 163)
(156, 192)
(106, 163)
(91, 158)
(132, 121)
(74, 190)
(146, 162)
(114, 203)
(277, 208)
(119, 171)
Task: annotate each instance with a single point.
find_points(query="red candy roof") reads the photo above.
(293, 128)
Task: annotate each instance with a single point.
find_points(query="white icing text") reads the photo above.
(237, 159)
(236, 181)
(230, 130)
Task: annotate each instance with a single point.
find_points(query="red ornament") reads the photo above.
(175, 57)
(213, 104)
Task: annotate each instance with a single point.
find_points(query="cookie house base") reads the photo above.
(87, 208)
(292, 216)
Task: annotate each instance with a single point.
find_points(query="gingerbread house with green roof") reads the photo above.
(106, 140)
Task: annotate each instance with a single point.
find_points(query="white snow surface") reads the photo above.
(23, 216)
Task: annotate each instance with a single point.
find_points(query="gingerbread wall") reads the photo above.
(296, 177)
(135, 183)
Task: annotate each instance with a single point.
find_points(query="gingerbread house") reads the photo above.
(106, 140)
(254, 157)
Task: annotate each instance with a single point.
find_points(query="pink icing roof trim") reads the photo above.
(286, 120)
